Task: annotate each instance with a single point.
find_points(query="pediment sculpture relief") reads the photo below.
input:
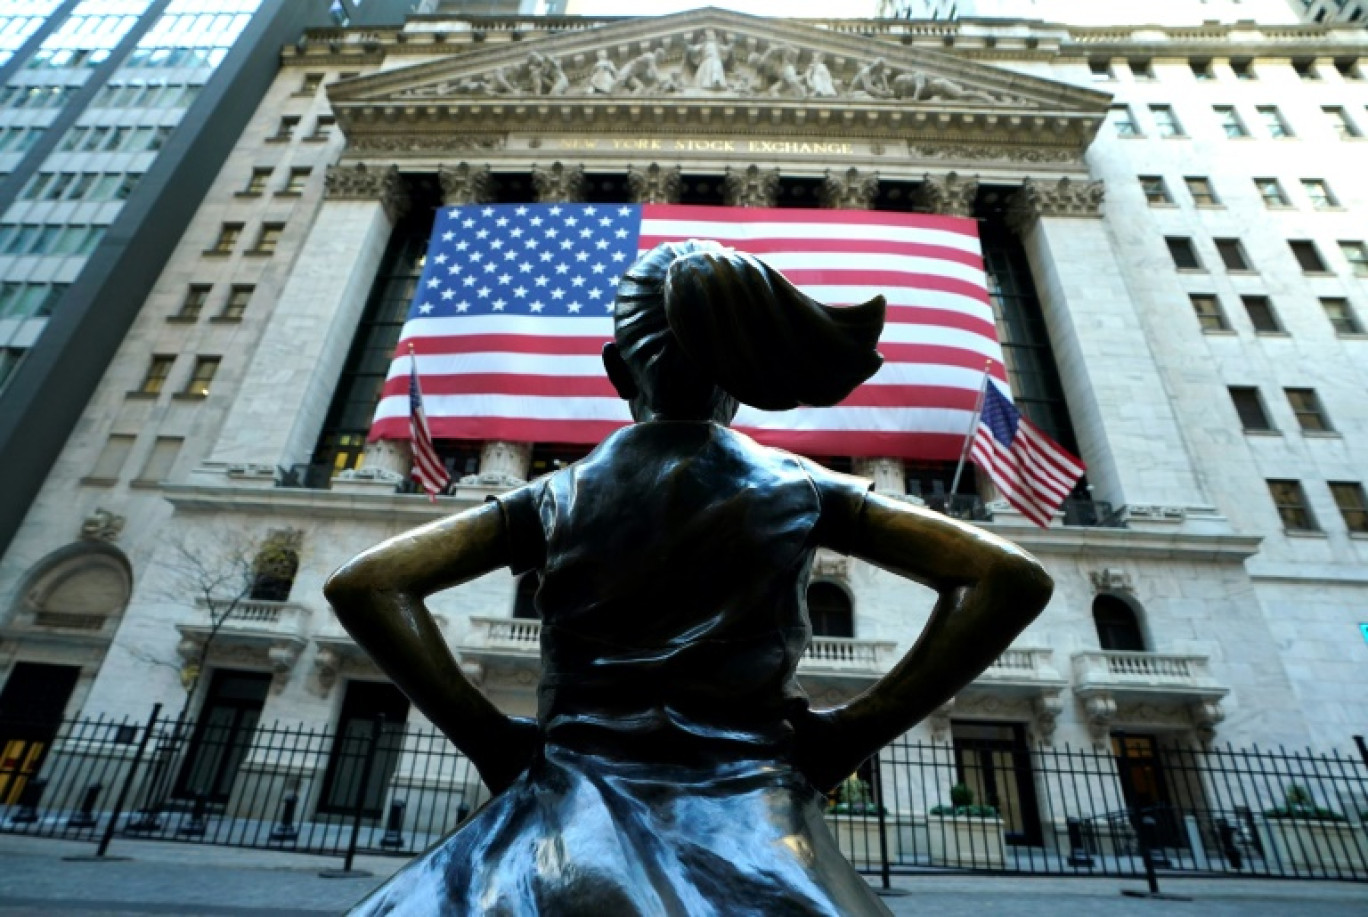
(715, 64)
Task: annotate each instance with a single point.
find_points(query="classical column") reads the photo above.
(856, 190)
(285, 391)
(558, 183)
(948, 194)
(751, 187)
(654, 184)
(1101, 347)
(502, 463)
(465, 184)
(849, 190)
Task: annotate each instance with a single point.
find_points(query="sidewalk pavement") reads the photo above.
(188, 881)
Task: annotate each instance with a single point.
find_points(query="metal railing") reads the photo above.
(970, 804)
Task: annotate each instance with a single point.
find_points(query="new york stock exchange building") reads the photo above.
(1173, 235)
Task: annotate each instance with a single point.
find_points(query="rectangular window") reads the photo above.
(1203, 195)
(236, 305)
(1165, 121)
(1248, 404)
(1356, 253)
(1232, 255)
(1273, 121)
(195, 298)
(1156, 192)
(1230, 121)
(1319, 192)
(198, 386)
(36, 186)
(21, 239)
(1340, 122)
(112, 457)
(299, 178)
(1201, 69)
(1306, 405)
(1124, 121)
(1099, 68)
(257, 183)
(229, 233)
(1243, 68)
(285, 130)
(310, 83)
(126, 185)
(58, 186)
(1341, 315)
(1290, 502)
(1141, 68)
(1208, 311)
(268, 238)
(1348, 68)
(1305, 68)
(157, 371)
(1261, 314)
(1307, 256)
(157, 468)
(1183, 253)
(82, 186)
(322, 127)
(1352, 504)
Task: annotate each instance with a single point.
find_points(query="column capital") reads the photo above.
(948, 195)
(1063, 198)
(654, 184)
(465, 184)
(558, 183)
(849, 190)
(361, 182)
(751, 187)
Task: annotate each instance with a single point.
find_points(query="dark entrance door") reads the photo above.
(994, 761)
(31, 707)
(223, 734)
(362, 705)
(1140, 769)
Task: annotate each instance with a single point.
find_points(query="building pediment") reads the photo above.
(715, 70)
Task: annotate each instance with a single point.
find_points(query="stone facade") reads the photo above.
(1250, 632)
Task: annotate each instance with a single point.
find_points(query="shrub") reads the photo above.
(962, 805)
(1298, 803)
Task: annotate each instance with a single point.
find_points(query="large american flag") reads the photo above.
(515, 302)
(1033, 472)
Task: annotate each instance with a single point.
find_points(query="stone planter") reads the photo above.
(1311, 843)
(960, 840)
(858, 838)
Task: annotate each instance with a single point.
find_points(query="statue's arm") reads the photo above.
(378, 596)
(990, 590)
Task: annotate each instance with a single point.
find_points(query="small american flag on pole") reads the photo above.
(1032, 471)
(515, 302)
(428, 469)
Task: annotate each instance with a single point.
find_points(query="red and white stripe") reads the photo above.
(1034, 474)
(532, 378)
(428, 469)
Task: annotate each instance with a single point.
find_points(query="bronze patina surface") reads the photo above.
(675, 765)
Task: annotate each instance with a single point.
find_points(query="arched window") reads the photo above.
(829, 611)
(81, 586)
(525, 601)
(1118, 627)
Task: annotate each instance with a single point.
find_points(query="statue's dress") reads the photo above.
(673, 562)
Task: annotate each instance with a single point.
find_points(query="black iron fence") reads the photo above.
(976, 803)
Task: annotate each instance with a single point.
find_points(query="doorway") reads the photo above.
(223, 734)
(362, 706)
(994, 761)
(1143, 786)
(31, 707)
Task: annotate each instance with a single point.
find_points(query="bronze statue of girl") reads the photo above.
(675, 766)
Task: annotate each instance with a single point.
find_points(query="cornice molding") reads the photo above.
(1063, 198)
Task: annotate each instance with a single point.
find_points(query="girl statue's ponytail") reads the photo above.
(760, 339)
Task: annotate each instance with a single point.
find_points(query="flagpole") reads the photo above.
(973, 425)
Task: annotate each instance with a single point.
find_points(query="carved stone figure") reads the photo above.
(642, 74)
(538, 74)
(676, 764)
(778, 67)
(915, 86)
(871, 80)
(560, 83)
(499, 83)
(818, 78)
(709, 56)
(603, 78)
